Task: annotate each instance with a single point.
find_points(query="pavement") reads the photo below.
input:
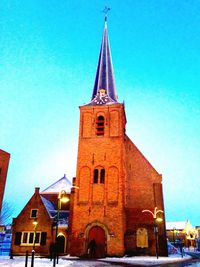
(149, 260)
(68, 261)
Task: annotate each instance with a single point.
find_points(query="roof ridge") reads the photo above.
(68, 183)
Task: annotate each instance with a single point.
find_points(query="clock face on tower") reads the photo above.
(101, 97)
(101, 100)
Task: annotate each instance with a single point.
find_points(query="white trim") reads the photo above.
(34, 216)
(28, 237)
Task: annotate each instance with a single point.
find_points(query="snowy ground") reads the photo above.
(148, 260)
(73, 262)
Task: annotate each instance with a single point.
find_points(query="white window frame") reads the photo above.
(28, 237)
(36, 214)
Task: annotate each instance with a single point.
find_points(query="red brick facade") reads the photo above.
(24, 224)
(24, 231)
(114, 204)
(4, 162)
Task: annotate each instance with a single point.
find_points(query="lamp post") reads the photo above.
(156, 219)
(35, 223)
(174, 231)
(62, 198)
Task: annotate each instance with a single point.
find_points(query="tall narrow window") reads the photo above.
(100, 125)
(102, 176)
(31, 236)
(25, 238)
(96, 172)
(99, 175)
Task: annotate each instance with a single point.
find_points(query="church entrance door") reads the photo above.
(97, 242)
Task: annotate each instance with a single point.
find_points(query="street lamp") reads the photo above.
(156, 219)
(174, 231)
(35, 223)
(62, 198)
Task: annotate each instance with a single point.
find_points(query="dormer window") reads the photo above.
(100, 125)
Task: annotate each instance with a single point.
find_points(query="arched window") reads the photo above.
(96, 174)
(100, 125)
(99, 176)
(102, 176)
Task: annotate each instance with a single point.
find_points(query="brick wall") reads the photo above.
(4, 162)
(131, 185)
(24, 223)
(96, 203)
(143, 191)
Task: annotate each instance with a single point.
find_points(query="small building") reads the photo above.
(5, 239)
(181, 231)
(40, 221)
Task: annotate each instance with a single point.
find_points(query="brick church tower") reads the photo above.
(116, 182)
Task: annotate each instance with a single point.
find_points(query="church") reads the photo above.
(116, 204)
(115, 184)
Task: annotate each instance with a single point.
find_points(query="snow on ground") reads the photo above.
(20, 262)
(149, 260)
(74, 262)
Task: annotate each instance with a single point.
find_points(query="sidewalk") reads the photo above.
(149, 260)
(192, 252)
(68, 261)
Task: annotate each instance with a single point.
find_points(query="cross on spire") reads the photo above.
(105, 11)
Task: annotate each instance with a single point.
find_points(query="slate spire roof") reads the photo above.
(104, 91)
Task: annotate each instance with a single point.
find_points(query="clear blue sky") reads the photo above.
(48, 58)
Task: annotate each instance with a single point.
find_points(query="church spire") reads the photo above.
(104, 86)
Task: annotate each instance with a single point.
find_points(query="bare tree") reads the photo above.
(6, 213)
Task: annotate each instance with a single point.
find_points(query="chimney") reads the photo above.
(37, 190)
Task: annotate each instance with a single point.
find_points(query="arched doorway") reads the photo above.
(61, 244)
(97, 249)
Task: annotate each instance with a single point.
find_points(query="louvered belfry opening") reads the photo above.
(99, 175)
(96, 173)
(100, 125)
(102, 176)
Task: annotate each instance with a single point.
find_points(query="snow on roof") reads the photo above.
(176, 225)
(62, 184)
(48, 205)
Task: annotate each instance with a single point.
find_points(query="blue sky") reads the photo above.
(48, 58)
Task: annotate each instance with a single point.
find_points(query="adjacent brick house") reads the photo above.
(42, 210)
(116, 182)
(4, 162)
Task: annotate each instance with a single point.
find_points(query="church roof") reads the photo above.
(53, 212)
(48, 205)
(104, 91)
(62, 184)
